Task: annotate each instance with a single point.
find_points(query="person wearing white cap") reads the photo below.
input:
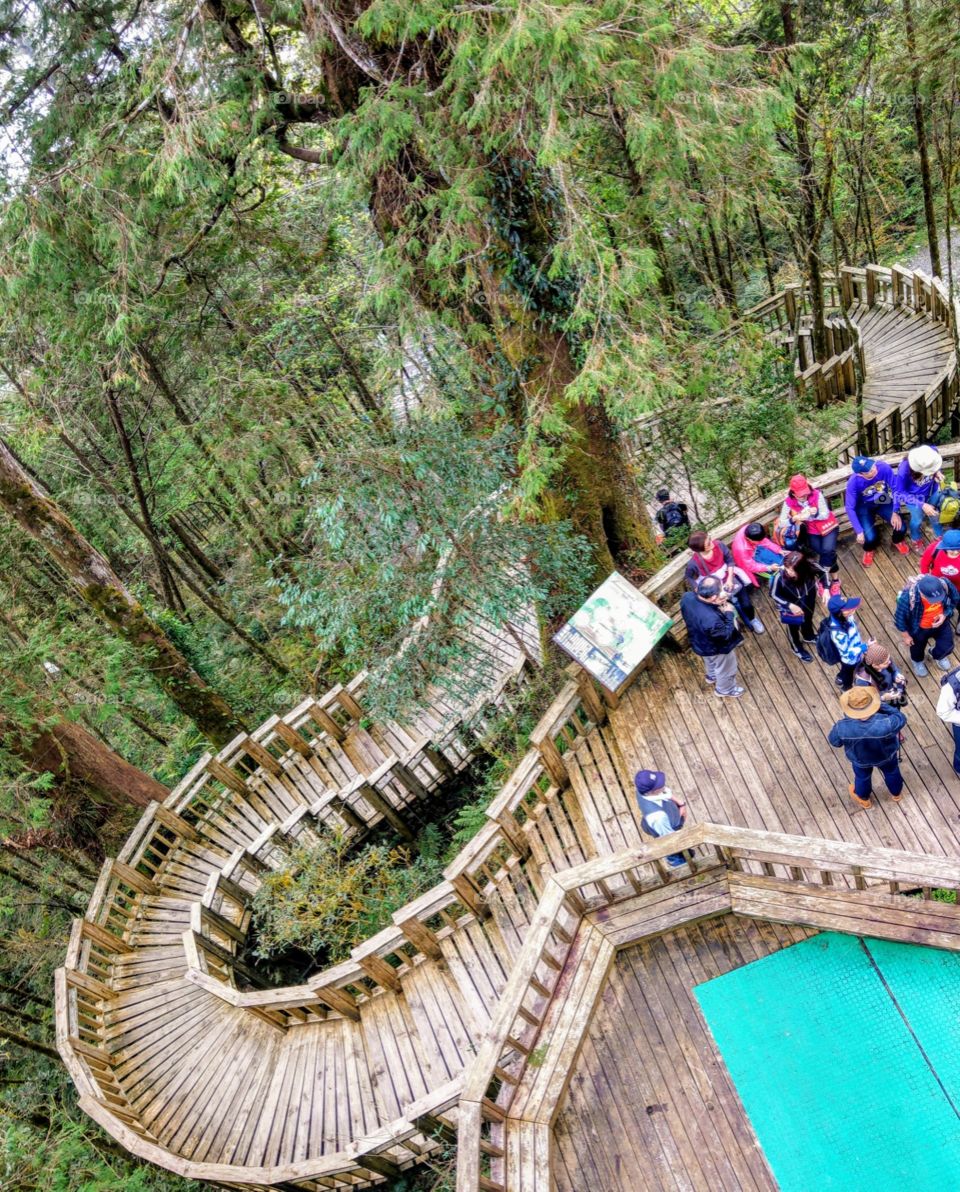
(916, 493)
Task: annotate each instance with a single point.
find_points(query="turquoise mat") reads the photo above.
(846, 1056)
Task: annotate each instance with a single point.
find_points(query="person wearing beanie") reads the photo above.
(916, 491)
(712, 628)
(754, 553)
(878, 670)
(922, 615)
(661, 813)
(806, 515)
(845, 635)
(869, 495)
(942, 557)
(869, 735)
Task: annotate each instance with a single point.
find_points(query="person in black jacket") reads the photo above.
(794, 589)
(712, 627)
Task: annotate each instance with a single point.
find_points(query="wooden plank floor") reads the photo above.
(764, 760)
(650, 1107)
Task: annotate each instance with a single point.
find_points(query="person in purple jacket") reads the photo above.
(870, 495)
(916, 493)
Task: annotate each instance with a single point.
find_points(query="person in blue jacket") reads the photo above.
(869, 495)
(923, 612)
(916, 493)
(869, 735)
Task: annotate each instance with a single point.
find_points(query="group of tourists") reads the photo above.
(796, 561)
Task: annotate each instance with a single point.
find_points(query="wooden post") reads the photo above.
(591, 701)
(846, 287)
(422, 938)
(292, 739)
(340, 1000)
(553, 761)
(381, 804)
(378, 970)
(470, 896)
(266, 761)
(175, 823)
(322, 717)
(233, 782)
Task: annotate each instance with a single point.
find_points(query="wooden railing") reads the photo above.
(760, 874)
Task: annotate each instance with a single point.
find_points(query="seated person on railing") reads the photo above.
(807, 523)
(869, 495)
(710, 558)
(755, 554)
(916, 494)
(661, 813)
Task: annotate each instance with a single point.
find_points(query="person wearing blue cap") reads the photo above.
(869, 495)
(845, 636)
(660, 812)
(922, 615)
(942, 557)
(712, 628)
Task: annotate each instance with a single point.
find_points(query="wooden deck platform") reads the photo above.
(763, 760)
(650, 1106)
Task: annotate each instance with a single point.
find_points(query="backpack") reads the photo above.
(949, 506)
(826, 646)
(672, 516)
(786, 536)
(953, 678)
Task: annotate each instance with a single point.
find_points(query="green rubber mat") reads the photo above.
(846, 1056)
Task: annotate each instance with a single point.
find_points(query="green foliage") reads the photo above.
(330, 898)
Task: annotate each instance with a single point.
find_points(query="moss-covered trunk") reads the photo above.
(104, 592)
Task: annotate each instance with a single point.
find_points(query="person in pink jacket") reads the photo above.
(755, 553)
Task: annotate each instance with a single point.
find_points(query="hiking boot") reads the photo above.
(756, 625)
(896, 798)
(867, 802)
(867, 559)
(919, 669)
(804, 655)
(945, 664)
(734, 694)
(902, 548)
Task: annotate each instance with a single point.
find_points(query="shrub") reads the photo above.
(330, 898)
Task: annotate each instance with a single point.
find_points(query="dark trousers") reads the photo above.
(942, 638)
(956, 746)
(797, 633)
(743, 602)
(866, 515)
(824, 546)
(846, 672)
(673, 859)
(891, 776)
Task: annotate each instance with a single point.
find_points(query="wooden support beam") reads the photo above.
(223, 774)
(176, 823)
(134, 879)
(340, 1000)
(103, 938)
(266, 761)
(292, 739)
(322, 717)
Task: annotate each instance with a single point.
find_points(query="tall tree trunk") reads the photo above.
(103, 591)
(71, 754)
(920, 123)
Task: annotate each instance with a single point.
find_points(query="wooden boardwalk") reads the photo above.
(661, 1113)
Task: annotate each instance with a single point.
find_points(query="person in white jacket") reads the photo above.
(948, 709)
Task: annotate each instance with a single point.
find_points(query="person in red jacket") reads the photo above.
(942, 557)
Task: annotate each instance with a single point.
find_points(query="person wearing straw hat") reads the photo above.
(869, 735)
(916, 493)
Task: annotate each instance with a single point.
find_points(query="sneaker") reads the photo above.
(734, 694)
(809, 641)
(896, 798)
(867, 559)
(945, 664)
(918, 546)
(867, 802)
(675, 863)
(919, 669)
(710, 678)
(804, 655)
(839, 680)
(902, 548)
(757, 625)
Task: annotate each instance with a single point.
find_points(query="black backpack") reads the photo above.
(672, 515)
(826, 646)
